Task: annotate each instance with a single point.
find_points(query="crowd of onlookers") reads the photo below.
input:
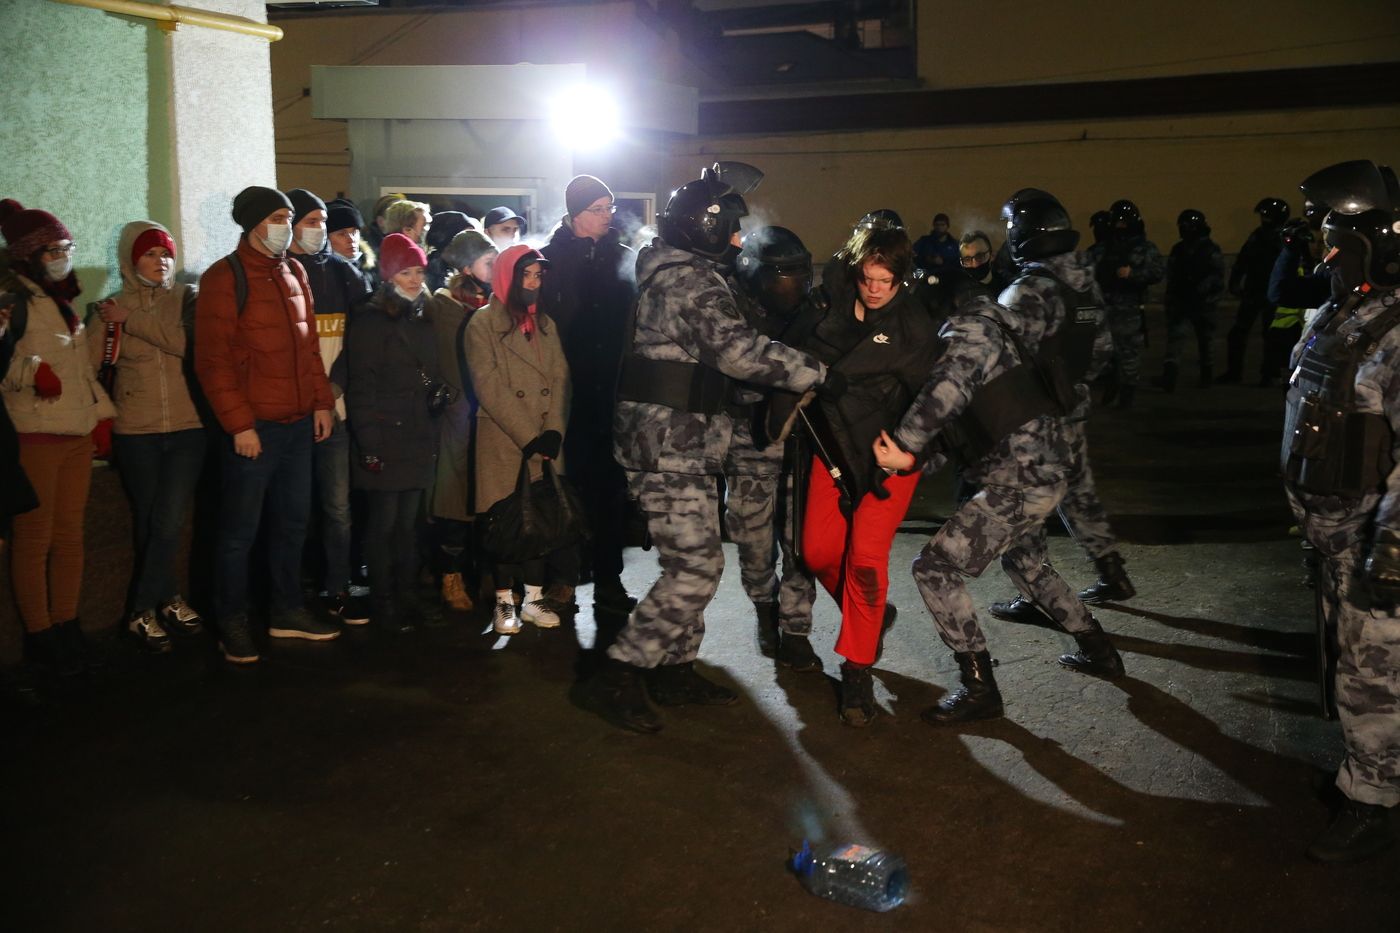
(379, 384)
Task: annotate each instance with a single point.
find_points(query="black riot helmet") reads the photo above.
(1272, 211)
(1125, 218)
(1101, 223)
(775, 269)
(703, 215)
(1191, 224)
(883, 219)
(1037, 226)
(1364, 222)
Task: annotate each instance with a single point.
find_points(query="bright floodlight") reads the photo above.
(585, 117)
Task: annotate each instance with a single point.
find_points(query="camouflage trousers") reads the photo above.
(750, 519)
(1082, 511)
(1125, 324)
(1368, 678)
(1000, 521)
(1181, 322)
(683, 517)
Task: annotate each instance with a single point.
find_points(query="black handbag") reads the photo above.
(536, 519)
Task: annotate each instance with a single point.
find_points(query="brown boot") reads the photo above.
(454, 593)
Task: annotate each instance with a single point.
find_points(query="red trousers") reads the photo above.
(852, 559)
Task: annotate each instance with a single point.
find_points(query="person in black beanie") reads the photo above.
(336, 287)
(344, 226)
(446, 225)
(587, 294)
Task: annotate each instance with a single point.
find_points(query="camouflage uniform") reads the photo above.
(1038, 296)
(1123, 298)
(1368, 633)
(1021, 482)
(686, 313)
(751, 477)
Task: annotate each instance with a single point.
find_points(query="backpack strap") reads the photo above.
(240, 281)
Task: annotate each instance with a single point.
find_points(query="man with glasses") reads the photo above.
(587, 294)
(979, 275)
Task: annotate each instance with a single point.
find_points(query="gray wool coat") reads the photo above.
(522, 387)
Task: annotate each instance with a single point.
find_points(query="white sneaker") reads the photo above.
(506, 622)
(180, 616)
(146, 627)
(538, 612)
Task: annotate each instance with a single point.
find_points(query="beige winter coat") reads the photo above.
(46, 339)
(523, 389)
(152, 389)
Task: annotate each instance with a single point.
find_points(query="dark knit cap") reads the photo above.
(303, 203)
(499, 215)
(398, 253)
(342, 214)
(446, 225)
(28, 231)
(466, 248)
(255, 204)
(582, 191)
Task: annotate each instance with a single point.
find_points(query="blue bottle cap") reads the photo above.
(804, 862)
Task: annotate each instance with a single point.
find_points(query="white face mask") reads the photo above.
(406, 296)
(57, 270)
(312, 239)
(279, 237)
(163, 283)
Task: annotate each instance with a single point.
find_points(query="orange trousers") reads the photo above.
(46, 554)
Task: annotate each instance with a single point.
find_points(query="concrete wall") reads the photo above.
(1001, 42)
(80, 138)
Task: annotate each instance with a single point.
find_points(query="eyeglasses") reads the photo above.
(601, 211)
(60, 250)
(976, 259)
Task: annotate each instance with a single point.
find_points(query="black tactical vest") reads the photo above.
(1330, 448)
(1065, 357)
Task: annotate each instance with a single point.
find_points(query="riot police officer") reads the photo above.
(1127, 262)
(1340, 447)
(1057, 286)
(687, 343)
(996, 399)
(1195, 282)
(1249, 282)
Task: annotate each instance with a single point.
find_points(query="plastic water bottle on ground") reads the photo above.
(854, 875)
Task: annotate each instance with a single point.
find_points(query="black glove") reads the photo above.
(546, 445)
(1383, 566)
(834, 386)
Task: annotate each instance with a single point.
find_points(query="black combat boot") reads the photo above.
(977, 698)
(1096, 655)
(795, 652)
(1113, 584)
(1358, 831)
(48, 652)
(682, 685)
(1020, 610)
(857, 695)
(623, 696)
(767, 616)
(1168, 380)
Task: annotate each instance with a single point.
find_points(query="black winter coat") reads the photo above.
(885, 359)
(588, 293)
(386, 399)
(1255, 264)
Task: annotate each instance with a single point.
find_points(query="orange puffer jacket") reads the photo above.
(263, 364)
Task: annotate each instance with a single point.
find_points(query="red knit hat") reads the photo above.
(26, 232)
(150, 239)
(398, 253)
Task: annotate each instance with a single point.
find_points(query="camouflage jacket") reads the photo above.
(1195, 274)
(1137, 253)
(1038, 296)
(687, 313)
(975, 351)
(1330, 522)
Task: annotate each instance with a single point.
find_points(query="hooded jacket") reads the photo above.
(263, 364)
(155, 389)
(521, 384)
(47, 339)
(336, 287)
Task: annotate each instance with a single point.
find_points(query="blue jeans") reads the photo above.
(333, 494)
(280, 479)
(160, 472)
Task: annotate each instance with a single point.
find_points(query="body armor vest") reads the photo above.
(1330, 448)
(1010, 400)
(1065, 357)
(684, 386)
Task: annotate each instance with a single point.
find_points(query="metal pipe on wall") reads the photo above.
(170, 17)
